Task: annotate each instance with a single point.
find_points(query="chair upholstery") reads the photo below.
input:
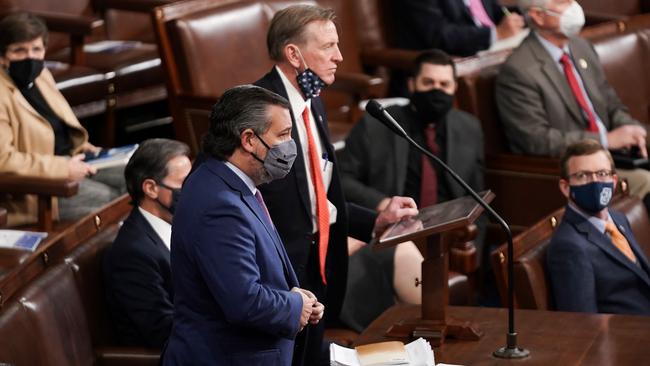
(52, 312)
(625, 58)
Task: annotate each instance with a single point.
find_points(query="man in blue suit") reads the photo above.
(594, 262)
(237, 300)
(137, 273)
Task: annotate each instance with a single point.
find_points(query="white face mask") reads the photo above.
(572, 19)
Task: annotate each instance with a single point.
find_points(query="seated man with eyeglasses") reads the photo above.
(594, 262)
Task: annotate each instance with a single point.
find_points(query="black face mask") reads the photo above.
(176, 194)
(432, 105)
(24, 72)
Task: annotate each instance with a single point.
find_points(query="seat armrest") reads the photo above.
(71, 24)
(393, 58)
(3, 217)
(39, 186)
(140, 6)
(127, 356)
(358, 84)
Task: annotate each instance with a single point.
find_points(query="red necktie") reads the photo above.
(478, 12)
(322, 209)
(429, 180)
(577, 92)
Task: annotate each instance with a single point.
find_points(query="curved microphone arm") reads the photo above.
(511, 350)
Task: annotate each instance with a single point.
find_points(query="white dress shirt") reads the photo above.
(298, 104)
(160, 226)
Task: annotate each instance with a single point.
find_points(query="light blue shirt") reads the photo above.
(245, 178)
(597, 222)
(556, 53)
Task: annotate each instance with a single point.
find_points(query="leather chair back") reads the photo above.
(207, 47)
(86, 264)
(625, 58)
(54, 328)
(532, 289)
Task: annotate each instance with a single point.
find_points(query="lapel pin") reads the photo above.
(320, 119)
(583, 63)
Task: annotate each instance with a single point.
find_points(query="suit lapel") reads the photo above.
(250, 201)
(454, 157)
(604, 243)
(550, 69)
(589, 82)
(299, 168)
(149, 230)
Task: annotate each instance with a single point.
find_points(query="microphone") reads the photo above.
(511, 350)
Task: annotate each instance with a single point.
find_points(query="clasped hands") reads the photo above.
(312, 310)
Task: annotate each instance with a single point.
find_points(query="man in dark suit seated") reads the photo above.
(236, 296)
(594, 263)
(377, 164)
(136, 267)
(458, 27)
(552, 91)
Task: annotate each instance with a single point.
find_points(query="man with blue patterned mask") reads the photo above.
(308, 207)
(594, 262)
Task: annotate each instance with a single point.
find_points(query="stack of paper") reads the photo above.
(416, 353)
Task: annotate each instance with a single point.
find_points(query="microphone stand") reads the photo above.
(511, 350)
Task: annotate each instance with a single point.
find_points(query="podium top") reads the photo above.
(435, 219)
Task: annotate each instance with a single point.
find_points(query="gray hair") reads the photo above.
(240, 108)
(288, 26)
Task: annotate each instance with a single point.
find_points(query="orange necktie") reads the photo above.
(322, 209)
(619, 241)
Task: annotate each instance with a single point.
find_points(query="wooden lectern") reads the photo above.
(443, 219)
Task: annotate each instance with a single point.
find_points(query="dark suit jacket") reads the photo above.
(288, 203)
(589, 274)
(444, 24)
(232, 277)
(375, 160)
(137, 277)
(539, 113)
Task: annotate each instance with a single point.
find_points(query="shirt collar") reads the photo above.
(160, 226)
(245, 178)
(554, 51)
(597, 222)
(298, 103)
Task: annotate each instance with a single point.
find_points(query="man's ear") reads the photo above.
(292, 56)
(246, 138)
(564, 187)
(150, 188)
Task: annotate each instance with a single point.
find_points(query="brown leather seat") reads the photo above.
(57, 317)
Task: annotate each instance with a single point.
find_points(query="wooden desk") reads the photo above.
(553, 338)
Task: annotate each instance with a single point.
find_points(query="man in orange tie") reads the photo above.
(308, 207)
(594, 262)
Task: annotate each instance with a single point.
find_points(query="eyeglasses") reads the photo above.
(585, 176)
